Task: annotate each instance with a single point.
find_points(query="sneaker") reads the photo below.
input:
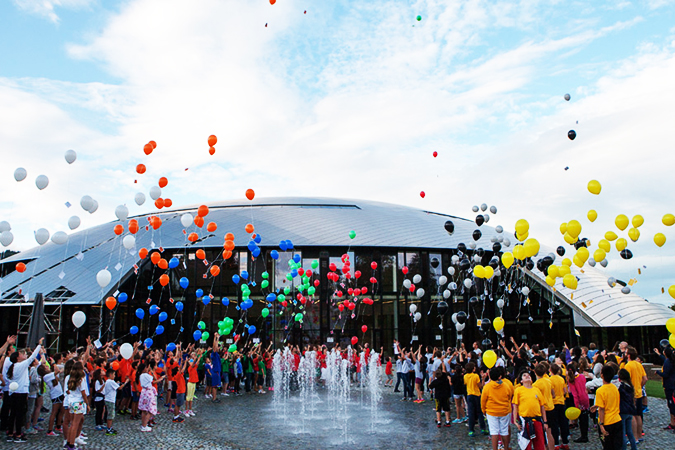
(646, 410)
(438, 424)
(581, 440)
(224, 394)
(216, 400)
(192, 413)
(465, 419)
(170, 410)
(186, 413)
(99, 428)
(136, 417)
(80, 441)
(178, 419)
(31, 431)
(485, 432)
(111, 432)
(447, 424)
(146, 429)
(51, 433)
(44, 410)
(58, 429)
(472, 433)
(38, 427)
(122, 412)
(457, 421)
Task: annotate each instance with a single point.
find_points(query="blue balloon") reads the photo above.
(256, 252)
(148, 342)
(163, 316)
(197, 335)
(289, 244)
(199, 293)
(206, 300)
(252, 245)
(154, 310)
(296, 258)
(282, 246)
(274, 254)
(225, 301)
(179, 306)
(140, 313)
(160, 364)
(173, 263)
(122, 297)
(257, 239)
(246, 304)
(244, 274)
(133, 330)
(294, 273)
(171, 347)
(271, 297)
(235, 278)
(251, 329)
(184, 283)
(159, 329)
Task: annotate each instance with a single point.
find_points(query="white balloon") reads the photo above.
(129, 242)
(139, 198)
(74, 222)
(41, 182)
(493, 209)
(79, 318)
(413, 308)
(477, 258)
(474, 208)
(122, 212)
(406, 283)
(42, 236)
(454, 260)
(417, 317)
(453, 286)
(525, 290)
(6, 238)
(103, 278)
(59, 238)
(20, 174)
(417, 278)
(507, 242)
(13, 386)
(442, 280)
(625, 290)
(460, 326)
(5, 226)
(472, 245)
(454, 318)
(500, 238)
(604, 262)
(451, 270)
(483, 207)
(86, 202)
(155, 192)
(498, 273)
(500, 303)
(611, 281)
(93, 208)
(467, 283)
(499, 229)
(420, 293)
(126, 350)
(446, 294)
(186, 220)
(493, 239)
(486, 216)
(591, 262)
(70, 156)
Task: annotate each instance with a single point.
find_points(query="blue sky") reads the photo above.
(359, 82)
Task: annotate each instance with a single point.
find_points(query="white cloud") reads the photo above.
(47, 8)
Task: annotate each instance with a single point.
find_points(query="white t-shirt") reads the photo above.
(146, 381)
(54, 391)
(110, 390)
(76, 396)
(99, 391)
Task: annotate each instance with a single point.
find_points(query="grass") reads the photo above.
(654, 389)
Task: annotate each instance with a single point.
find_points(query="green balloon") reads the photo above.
(301, 287)
(305, 279)
(287, 290)
(315, 264)
(201, 325)
(352, 234)
(205, 335)
(233, 348)
(298, 317)
(228, 322)
(264, 284)
(289, 277)
(221, 324)
(265, 275)
(265, 312)
(281, 298)
(311, 290)
(419, 18)
(226, 331)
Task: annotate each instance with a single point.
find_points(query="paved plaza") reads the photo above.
(250, 422)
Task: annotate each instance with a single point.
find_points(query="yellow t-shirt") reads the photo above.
(544, 385)
(529, 401)
(471, 380)
(496, 399)
(636, 372)
(507, 382)
(607, 397)
(558, 384)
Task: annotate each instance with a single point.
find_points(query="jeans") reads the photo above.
(407, 391)
(583, 424)
(627, 421)
(399, 378)
(100, 416)
(559, 424)
(17, 414)
(247, 382)
(474, 411)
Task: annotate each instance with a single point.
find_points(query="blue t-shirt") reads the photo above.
(215, 359)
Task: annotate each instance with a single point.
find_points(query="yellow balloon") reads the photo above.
(621, 243)
(668, 220)
(670, 325)
(659, 239)
(634, 234)
(570, 239)
(621, 222)
(479, 271)
(577, 262)
(522, 226)
(550, 281)
(583, 253)
(572, 413)
(592, 215)
(522, 237)
(566, 262)
(638, 220)
(553, 271)
(574, 228)
(507, 259)
(605, 245)
(563, 228)
(671, 291)
(671, 340)
(599, 255)
(610, 236)
(570, 281)
(564, 269)
(519, 252)
(489, 272)
(489, 358)
(531, 247)
(498, 323)
(594, 187)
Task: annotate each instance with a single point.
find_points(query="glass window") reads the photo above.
(388, 279)
(281, 268)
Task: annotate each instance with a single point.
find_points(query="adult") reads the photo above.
(667, 372)
(18, 372)
(638, 377)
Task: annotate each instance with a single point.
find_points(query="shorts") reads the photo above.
(226, 377)
(498, 425)
(174, 387)
(58, 399)
(180, 399)
(110, 410)
(390, 377)
(442, 405)
(135, 396)
(639, 407)
(207, 380)
(458, 397)
(78, 408)
(191, 391)
(418, 380)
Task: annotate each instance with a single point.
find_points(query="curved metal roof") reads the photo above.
(307, 222)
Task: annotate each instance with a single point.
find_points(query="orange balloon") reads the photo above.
(133, 226)
(229, 237)
(229, 245)
(199, 221)
(163, 182)
(227, 254)
(215, 270)
(167, 203)
(192, 237)
(20, 267)
(119, 229)
(155, 257)
(110, 302)
(115, 366)
(140, 168)
(211, 227)
(159, 203)
(212, 150)
(154, 144)
(249, 228)
(164, 279)
(156, 222)
(201, 254)
(250, 193)
(163, 264)
(143, 253)
(272, 2)
(148, 148)
(212, 140)
(203, 211)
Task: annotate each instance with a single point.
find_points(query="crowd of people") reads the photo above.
(535, 389)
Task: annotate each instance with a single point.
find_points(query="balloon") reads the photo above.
(179, 306)
(159, 329)
(570, 281)
(20, 174)
(519, 252)
(122, 212)
(129, 242)
(571, 135)
(531, 247)
(450, 227)
(522, 227)
(525, 290)
(594, 187)
(126, 350)
(70, 156)
(420, 293)
(670, 323)
(625, 290)
(626, 254)
(140, 313)
(417, 316)
(352, 234)
(498, 324)
(461, 317)
(634, 234)
(417, 279)
(637, 221)
(573, 228)
(419, 18)
(567, 97)
(489, 358)
(500, 303)
(460, 326)
(659, 239)
(468, 283)
(480, 219)
(41, 236)
(93, 208)
(41, 182)
(199, 293)
(422, 194)
(86, 202)
(479, 271)
(110, 303)
(133, 330)
(139, 198)
(476, 235)
(154, 309)
(592, 215)
(103, 278)
(59, 238)
(148, 342)
(671, 340)
(442, 280)
(668, 220)
(250, 194)
(507, 259)
(5, 226)
(413, 308)
(155, 192)
(442, 307)
(78, 319)
(572, 413)
(164, 279)
(621, 222)
(599, 255)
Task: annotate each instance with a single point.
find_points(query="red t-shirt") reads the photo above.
(387, 370)
(296, 362)
(192, 372)
(124, 370)
(180, 383)
(269, 362)
(170, 364)
(135, 386)
(255, 364)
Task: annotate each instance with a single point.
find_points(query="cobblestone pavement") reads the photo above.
(252, 422)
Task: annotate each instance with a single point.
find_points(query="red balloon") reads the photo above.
(308, 272)
(168, 202)
(215, 270)
(348, 275)
(115, 366)
(412, 287)
(373, 280)
(332, 267)
(284, 303)
(159, 203)
(154, 144)
(110, 302)
(364, 328)
(351, 306)
(20, 267)
(368, 301)
(435, 154)
(350, 291)
(357, 274)
(357, 292)
(203, 211)
(422, 194)
(140, 168)
(118, 229)
(301, 271)
(250, 193)
(303, 300)
(164, 279)
(133, 226)
(212, 140)
(142, 253)
(339, 294)
(404, 269)
(373, 265)
(163, 182)
(341, 307)
(212, 151)
(316, 283)
(355, 340)
(148, 148)
(364, 290)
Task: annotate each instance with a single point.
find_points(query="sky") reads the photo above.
(347, 99)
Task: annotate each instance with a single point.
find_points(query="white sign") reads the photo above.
(329, 340)
(438, 337)
(415, 338)
(228, 341)
(256, 340)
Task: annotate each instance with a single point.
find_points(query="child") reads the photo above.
(544, 385)
(388, 373)
(135, 391)
(208, 377)
(193, 379)
(443, 389)
(459, 392)
(473, 385)
(529, 411)
(33, 394)
(558, 423)
(627, 407)
(76, 391)
(56, 394)
(496, 404)
(577, 388)
(99, 400)
(607, 401)
(110, 396)
(179, 379)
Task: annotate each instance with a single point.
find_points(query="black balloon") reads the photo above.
(561, 251)
(461, 317)
(496, 247)
(442, 307)
(464, 264)
(480, 252)
(571, 134)
(434, 262)
(461, 247)
(494, 262)
(626, 254)
(473, 300)
(529, 264)
(485, 324)
(449, 227)
(476, 235)
(487, 343)
(581, 243)
(480, 220)
(664, 343)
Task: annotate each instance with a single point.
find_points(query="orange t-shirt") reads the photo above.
(193, 375)
(170, 364)
(180, 383)
(135, 386)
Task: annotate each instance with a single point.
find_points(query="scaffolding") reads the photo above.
(53, 317)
